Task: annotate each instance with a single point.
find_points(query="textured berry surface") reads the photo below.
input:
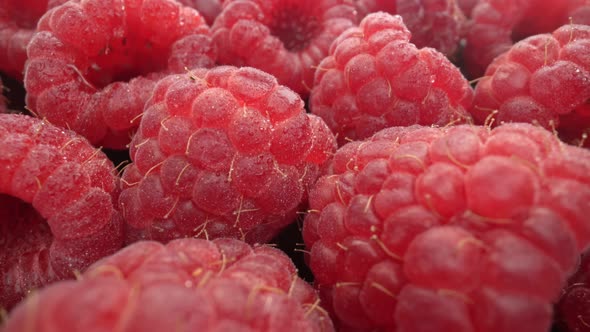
(543, 79)
(208, 8)
(449, 229)
(189, 284)
(92, 64)
(56, 205)
(497, 24)
(18, 19)
(573, 308)
(433, 23)
(286, 38)
(375, 78)
(225, 152)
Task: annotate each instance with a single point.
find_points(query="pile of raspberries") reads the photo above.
(295, 165)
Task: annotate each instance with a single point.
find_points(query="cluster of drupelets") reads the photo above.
(434, 151)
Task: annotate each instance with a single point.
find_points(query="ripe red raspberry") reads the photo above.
(573, 308)
(497, 24)
(189, 284)
(286, 38)
(208, 8)
(56, 205)
(92, 64)
(226, 152)
(449, 229)
(544, 79)
(433, 23)
(18, 19)
(375, 78)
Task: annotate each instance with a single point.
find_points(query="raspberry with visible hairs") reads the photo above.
(542, 79)
(189, 284)
(92, 64)
(462, 228)
(497, 24)
(374, 78)
(56, 205)
(286, 38)
(433, 23)
(225, 152)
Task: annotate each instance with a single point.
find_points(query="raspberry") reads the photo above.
(208, 8)
(92, 64)
(190, 284)
(18, 19)
(56, 205)
(467, 6)
(433, 23)
(286, 38)
(375, 78)
(477, 228)
(225, 152)
(544, 79)
(573, 308)
(496, 24)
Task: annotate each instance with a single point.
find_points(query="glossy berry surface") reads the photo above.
(226, 152)
(191, 284)
(449, 229)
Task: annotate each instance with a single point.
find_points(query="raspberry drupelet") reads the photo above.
(462, 228)
(433, 23)
(497, 24)
(542, 79)
(286, 38)
(189, 284)
(57, 212)
(225, 152)
(208, 8)
(374, 78)
(18, 21)
(92, 64)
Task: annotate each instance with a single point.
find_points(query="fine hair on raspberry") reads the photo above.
(92, 64)
(224, 152)
(189, 284)
(285, 38)
(461, 228)
(57, 205)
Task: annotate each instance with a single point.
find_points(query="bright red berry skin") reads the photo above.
(92, 64)
(226, 152)
(497, 24)
(208, 8)
(374, 78)
(56, 205)
(542, 79)
(433, 23)
(286, 38)
(191, 284)
(460, 228)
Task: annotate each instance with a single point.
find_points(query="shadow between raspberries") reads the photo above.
(14, 92)
(290, 241)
